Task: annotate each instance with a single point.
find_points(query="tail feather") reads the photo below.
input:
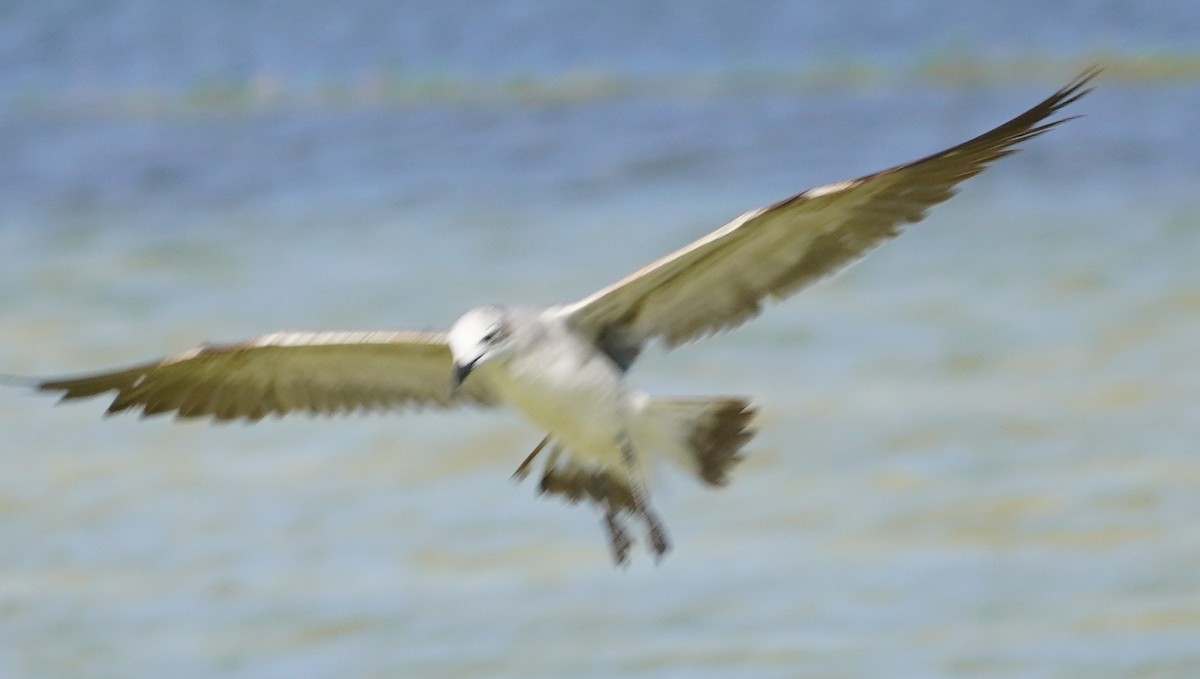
(705, 435)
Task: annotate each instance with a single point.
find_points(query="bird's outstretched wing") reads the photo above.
(721, 280)
(315, 372)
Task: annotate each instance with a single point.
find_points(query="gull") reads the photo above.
(563, 367)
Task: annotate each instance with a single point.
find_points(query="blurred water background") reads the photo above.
(977, 450)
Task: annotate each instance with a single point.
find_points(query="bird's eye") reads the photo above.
(492, 335)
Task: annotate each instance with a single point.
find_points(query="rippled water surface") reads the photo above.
(977, 449)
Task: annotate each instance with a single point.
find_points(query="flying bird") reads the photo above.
(564, 367)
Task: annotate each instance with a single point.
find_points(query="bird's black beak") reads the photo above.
(461, 370)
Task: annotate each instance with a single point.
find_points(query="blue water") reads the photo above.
(976, 455)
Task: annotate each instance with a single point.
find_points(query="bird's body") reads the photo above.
(539, 364)
(561, 383)
(564, 367)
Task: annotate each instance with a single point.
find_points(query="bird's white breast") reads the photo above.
(573, 391)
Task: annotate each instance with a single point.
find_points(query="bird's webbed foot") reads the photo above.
(656, 534)
(619, 541)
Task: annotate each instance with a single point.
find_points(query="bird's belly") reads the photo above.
(584, 407)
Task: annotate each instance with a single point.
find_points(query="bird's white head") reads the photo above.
(479, 337)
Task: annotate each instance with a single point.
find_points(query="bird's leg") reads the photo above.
(618, 539)
(659, 544)
(523, 468)
(658, 536)
(641, 501)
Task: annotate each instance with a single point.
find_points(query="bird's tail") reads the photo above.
(703, 435)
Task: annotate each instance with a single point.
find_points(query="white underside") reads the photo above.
(584, 405)
(578, 395)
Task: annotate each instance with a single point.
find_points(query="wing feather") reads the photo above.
(722, 280)
(318, 373)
